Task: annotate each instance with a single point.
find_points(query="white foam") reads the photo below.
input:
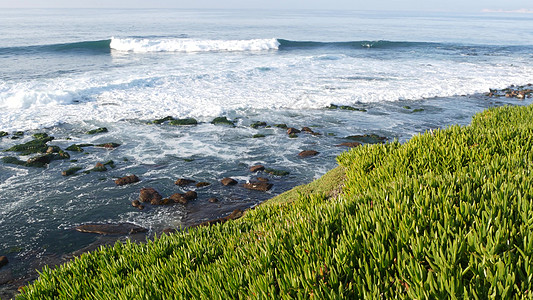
(191, 45)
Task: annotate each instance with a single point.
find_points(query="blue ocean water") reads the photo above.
(65, 72)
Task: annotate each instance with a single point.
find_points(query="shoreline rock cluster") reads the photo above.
(519, 92)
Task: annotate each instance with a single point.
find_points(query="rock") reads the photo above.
(292, 131)
(3, 133)
(3, 261)
(141, 207)
(31, 147)
(307, 129)
(149, 195)
(97, 130)
(367, 138)
(283, 126)
(293, 135)
(213, 200)
(222, 121)
(233, 216)
(160, 121)
(127, 180)
(263, 179)
(332, 106)
(18, 133)
(228, 181)
(190, 195)
(71, 171)
(346, 107)
(308, 153)
(99, 167)
(257, 168)
(276, 172)
(169, 230)
(114, 229)
(77, 147)
(108, 145)
(258, 124)
(256, 136)
(13, 161)
(184, 182)
(43, 160)
(135, 203)
(178, 198)
(202, 184)
(110, 163)
(418, 110)
(258, 186)
(183, 122)
(40, 135)
(349, 144)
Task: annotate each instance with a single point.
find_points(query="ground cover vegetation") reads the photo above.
(448, 214)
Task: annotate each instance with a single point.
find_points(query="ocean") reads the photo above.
(65, 72)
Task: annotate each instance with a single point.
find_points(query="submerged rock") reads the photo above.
(127, 180)
(258, 124)
(257, 168)
(183, 122)
(202, 184)
(276, 172)
(228, 181)
(31, 147)
(222, 121)
(292, 131)
(367, 138)
(212, 200)
(97, 130)
(349, 144)
(3, 261)
(256, 136)
(108, 145)
(308, 153)
(149, 195)
(258, 186)
(233, 216)
(77, 147)
(184, 182)
(283, 126)
(3, 133)
(162, 120)
(71, 171)
(114, 229)
(99, 167)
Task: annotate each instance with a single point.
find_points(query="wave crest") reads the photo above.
(191, 45)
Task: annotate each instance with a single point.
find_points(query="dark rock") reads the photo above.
(228, 181)
(256, 136)
(190, 195)
(156, 201)
(135, 203)
(349, 144)
(346, 107)
(33, 146)
(3, 261)
(18, 133)
(97, 130)
(77, 147)
(292, 131)
(283, 126)
(332, 106)
(233, 216)
(108, 145)
(110, 163)
(406, 107)
(258, 186)
(262, 179)
(258, 124)
(99, 167)
(141, 207)
(308, 153)
(184, 182)
(178, 198)
(307, 129)
(169, 230)
(222, 121)
(367, 138)
(293, 135)
(127, 180)
(13, 161)
(40, 136)
(183, 122)
(160, 121)
(202, 184)
(114, 229)
(43, 160)
(276, 172)
(213, 200)
(418, 110)
(257, 168)
(149, 194)
(3, 133)
(71, 171)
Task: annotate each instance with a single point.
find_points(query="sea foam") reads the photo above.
(191, 45)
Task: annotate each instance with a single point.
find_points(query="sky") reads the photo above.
(409, 5)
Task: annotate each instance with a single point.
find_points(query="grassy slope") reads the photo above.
(448, 214)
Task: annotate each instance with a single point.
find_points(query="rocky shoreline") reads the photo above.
(43, 155)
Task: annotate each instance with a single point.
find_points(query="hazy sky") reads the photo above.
(415, 5)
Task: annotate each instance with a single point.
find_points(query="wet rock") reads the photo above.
(18, 133)
(40, 135)
(135, 203)
(113, 229)
(418, 110)
(99, 167)
(43, 160)
(277, 172)
(256, 136)
(184, 198)
(77, 147)
(31, 147)
(141, 207)
(257, 168)
(332, 106)
(212, 200)
(258, 124)
(169, 230)
(308, 153)
(228, 181)
(233, 216)
(293, 135)
(97, 130)
(149, 195)
(127, 180)
(292, 131)
(184, 182)
(3, 133)
(108, 145)
(258, 186)
(190, 195)
(346, 107)
(222, 121)
(349, 144)
(71, 171)
(183, 122)
(3, 261)
(110, 163)
(283, 126)
(367, 138)
(307, 129)
(202, 184)
(162, 120)
(13, 161)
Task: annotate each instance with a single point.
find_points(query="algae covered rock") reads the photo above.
(71, 171)
(3, 133)
(99, 167)
(13, 161)
(162, 120)
(108, 145)
(257, 136)
(78, 147)
(33, 146)
(222, 121)
(258, 124)
(97, 130)
(367, 138)
(276, 172)
(114, 229)
(282, 126)
(183, 122)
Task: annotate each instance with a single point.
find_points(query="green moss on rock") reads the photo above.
(97, 130)
(77, 147)
(277, 172)
(3, 133)
(31, 147)
(258, 124)
(71, 171)
(222, 121)
(162, 120)
(182, 122)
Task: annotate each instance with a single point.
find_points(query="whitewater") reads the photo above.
(65, 72)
